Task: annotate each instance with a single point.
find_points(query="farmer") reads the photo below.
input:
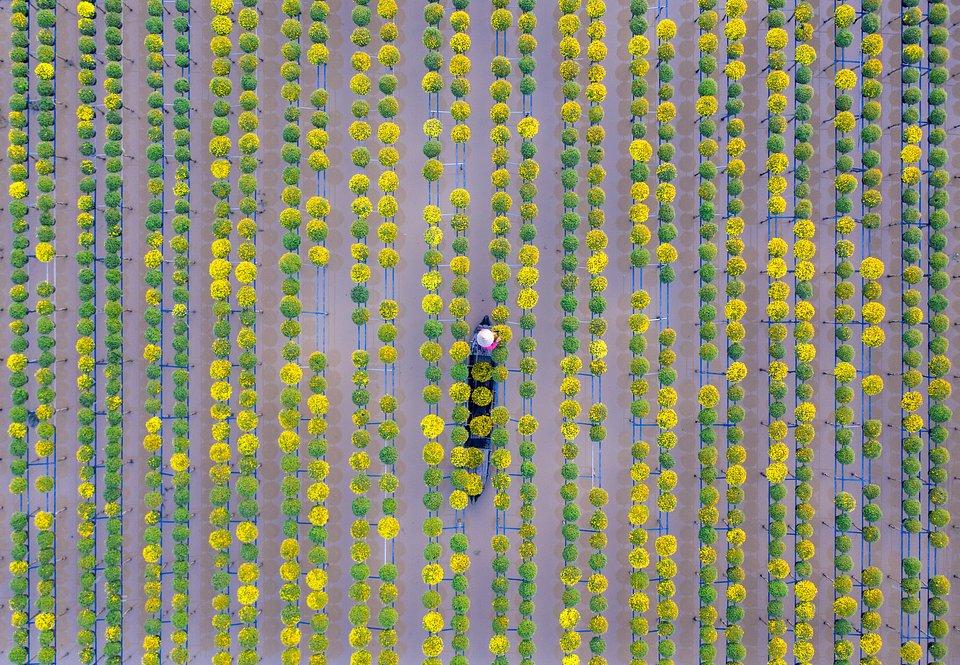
(487, 339)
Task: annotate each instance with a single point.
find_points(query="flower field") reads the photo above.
(247, 246)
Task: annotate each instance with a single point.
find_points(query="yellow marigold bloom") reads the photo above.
(871, 643)
(736, 146)
(666, 546)
(667, 419)
(247, 594)
(805, 412)
(912, 134)
(735, 70)
(844, 15)
(291, 373)
(777, 205)
(806, 54)
(735, 309)
(805, 591)
(43, 520)
(666, 29)
(736, 593)
(179, 462)
(151, 553)
(708, 396)
(433, 622)
(666, 253)
(776, 184)
(666, 192)
(45, 620)
(778, 568)
(777, 247)
(736, 475)
(708, 42)
(641, 151)
(44, 252)
(736, 8)
(776, 473)
(845, 121)
(776, 38)
(432, 574)
(806, 352)
(597, 263)
(874, 312)
(872, 384)
(736, 372)
(844, 372)
(638, 46)
(776, 268)
(873, 336)
(872, 45)
(805, 310)
(432, 426)
(777, 81)
(388, 527)
(706, 105)
(247, 532)
(666, 111)
(911, 401)
(845, 79)
(911, 652)
(910, 153)
(44, 71)
(735, 29)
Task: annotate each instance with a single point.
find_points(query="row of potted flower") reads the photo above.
(228, 451)
(667, 420)
(360, 130)
(571, 575)
(872, 314)
(291, 374)
(527, 277)
(44, 447)
(19, 294)
(805, 591)
(466, 482)
(431, 351)
(804, 249)
(318, 403)
(86, 348)
(778, 310)
(845, 369)
(641, 153)
(913, 424)
(246, 529)
(35, 611)
(595, 93)
(112, 308)
(871, 269)
(939, 387)
(708, 393)
(388, 134)
(501, 207)
(735, 309)
(176, 290)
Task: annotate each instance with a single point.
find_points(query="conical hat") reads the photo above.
(485, 337)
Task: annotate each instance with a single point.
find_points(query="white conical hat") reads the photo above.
(485, 337)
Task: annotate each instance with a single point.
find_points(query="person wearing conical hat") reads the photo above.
(487, 339)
